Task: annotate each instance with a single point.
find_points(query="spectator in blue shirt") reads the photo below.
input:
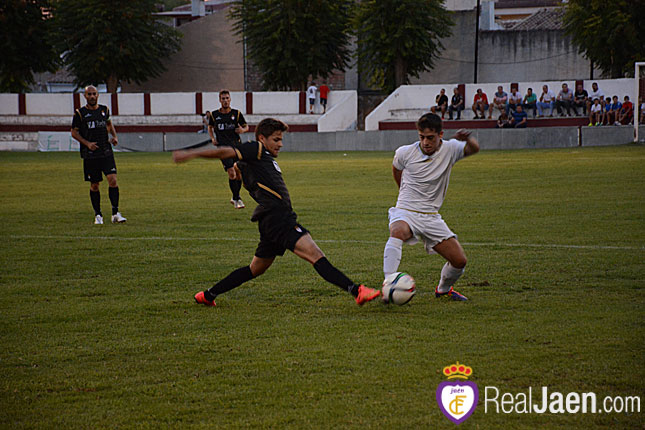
(614, 111)
(519, 118)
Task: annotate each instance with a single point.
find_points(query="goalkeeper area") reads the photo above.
(99, 327)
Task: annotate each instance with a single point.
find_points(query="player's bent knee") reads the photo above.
(459, 262)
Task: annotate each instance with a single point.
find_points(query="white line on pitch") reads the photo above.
(237, 239)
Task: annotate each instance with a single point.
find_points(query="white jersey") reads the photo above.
(311, 92)
(425, 178)
(597, 95)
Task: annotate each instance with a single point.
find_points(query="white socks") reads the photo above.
(449, 275)
(392, 255)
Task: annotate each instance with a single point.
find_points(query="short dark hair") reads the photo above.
(268, 126)
(430, 121)
(224, 92)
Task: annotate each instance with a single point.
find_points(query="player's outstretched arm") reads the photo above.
(184, 155)
(472, 146)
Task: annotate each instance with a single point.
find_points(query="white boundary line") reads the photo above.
(237, 239)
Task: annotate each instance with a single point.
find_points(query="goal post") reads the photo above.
(637, 103)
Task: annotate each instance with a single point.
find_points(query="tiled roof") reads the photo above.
(545, 19)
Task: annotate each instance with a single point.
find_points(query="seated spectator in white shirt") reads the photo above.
(546, 100)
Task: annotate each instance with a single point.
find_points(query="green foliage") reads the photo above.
(113, 41)
(25, 44)
(99, 329)
(611, 34)
(399, 38)
(291, 39)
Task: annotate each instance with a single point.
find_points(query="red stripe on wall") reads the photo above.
(22, 104)
(115, 103)
(146, 104)
(303, 102)
(249, 103)
(198, 103)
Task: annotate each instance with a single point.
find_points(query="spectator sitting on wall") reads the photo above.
(596, 93)
(519, 118)
(612, 115)
(530, 102)
(580, 99)
(499, 101)
(456, 104)
(595, 112)
(547, 100)
(564, 100)
(503, 121)
(480, 103)
(605, 111)
(442, 103)
(626, 113)
(514, 100)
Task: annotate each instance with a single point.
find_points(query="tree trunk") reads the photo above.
(112, 84)
(400, 72)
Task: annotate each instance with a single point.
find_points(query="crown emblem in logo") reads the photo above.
(457, 371)
(457, 399)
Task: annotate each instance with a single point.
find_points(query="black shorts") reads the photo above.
(279, 231)
(323, 102)
(94, 168)
(227, 162)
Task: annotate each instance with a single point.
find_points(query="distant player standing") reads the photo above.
(277, 222)
(227, 124)
(90, 127)
(422, 172)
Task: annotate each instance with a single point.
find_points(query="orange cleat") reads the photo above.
(366, 294)
(199, 298)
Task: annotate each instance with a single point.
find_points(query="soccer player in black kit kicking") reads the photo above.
(277, 222)
(90, 127)
(227, 124)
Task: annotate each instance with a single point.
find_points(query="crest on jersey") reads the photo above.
(275, 164)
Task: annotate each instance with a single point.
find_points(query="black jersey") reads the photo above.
(92, 126)
(262, 177)
(225, 124)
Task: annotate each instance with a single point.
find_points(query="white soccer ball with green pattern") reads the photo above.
(398, 288)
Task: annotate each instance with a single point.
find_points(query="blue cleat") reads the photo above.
(452, 294)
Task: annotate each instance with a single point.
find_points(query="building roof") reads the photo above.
(514, 4)
(545, 19)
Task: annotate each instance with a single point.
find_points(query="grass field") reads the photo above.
(99, 328)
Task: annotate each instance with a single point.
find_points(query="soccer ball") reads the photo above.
(398, 288)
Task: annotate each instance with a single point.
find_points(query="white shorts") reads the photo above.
(431, 229)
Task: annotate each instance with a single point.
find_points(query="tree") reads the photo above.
(113, 41)
(288, 40)
(611, 34)
(399, 38)
(25, 49)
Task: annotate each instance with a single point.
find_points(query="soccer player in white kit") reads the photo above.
(422, 172)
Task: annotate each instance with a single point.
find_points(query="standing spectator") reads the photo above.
(596, 93)
(324, 92)
(612, 115)
(595, 112)
(519, 118)
(642, 112)
(442, 103)
(514, 99)
(90, 127)
(205, 117)
(499, 101)
(547, 100)
(605, 111)
(480, 103)
(311, 95)
(503, 121)
(626, 113)
(580, 99)
(530, 102)
(224, 127)
(456, 104)
(564, 100)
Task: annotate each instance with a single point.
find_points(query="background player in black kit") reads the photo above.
(90, 127)
(277, 222)
(228, 124)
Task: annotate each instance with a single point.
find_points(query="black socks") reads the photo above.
(114, 199)
(332, 275)
(234, 279)
(95, 197)
(235, 186)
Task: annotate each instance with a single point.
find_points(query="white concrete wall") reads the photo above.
(276, 102)
(50, 104)
(342, 112)
(131, 104)
(210, 101)
(172, 103)
(8, 104)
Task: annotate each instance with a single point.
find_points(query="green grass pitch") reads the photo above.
(99, 328)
